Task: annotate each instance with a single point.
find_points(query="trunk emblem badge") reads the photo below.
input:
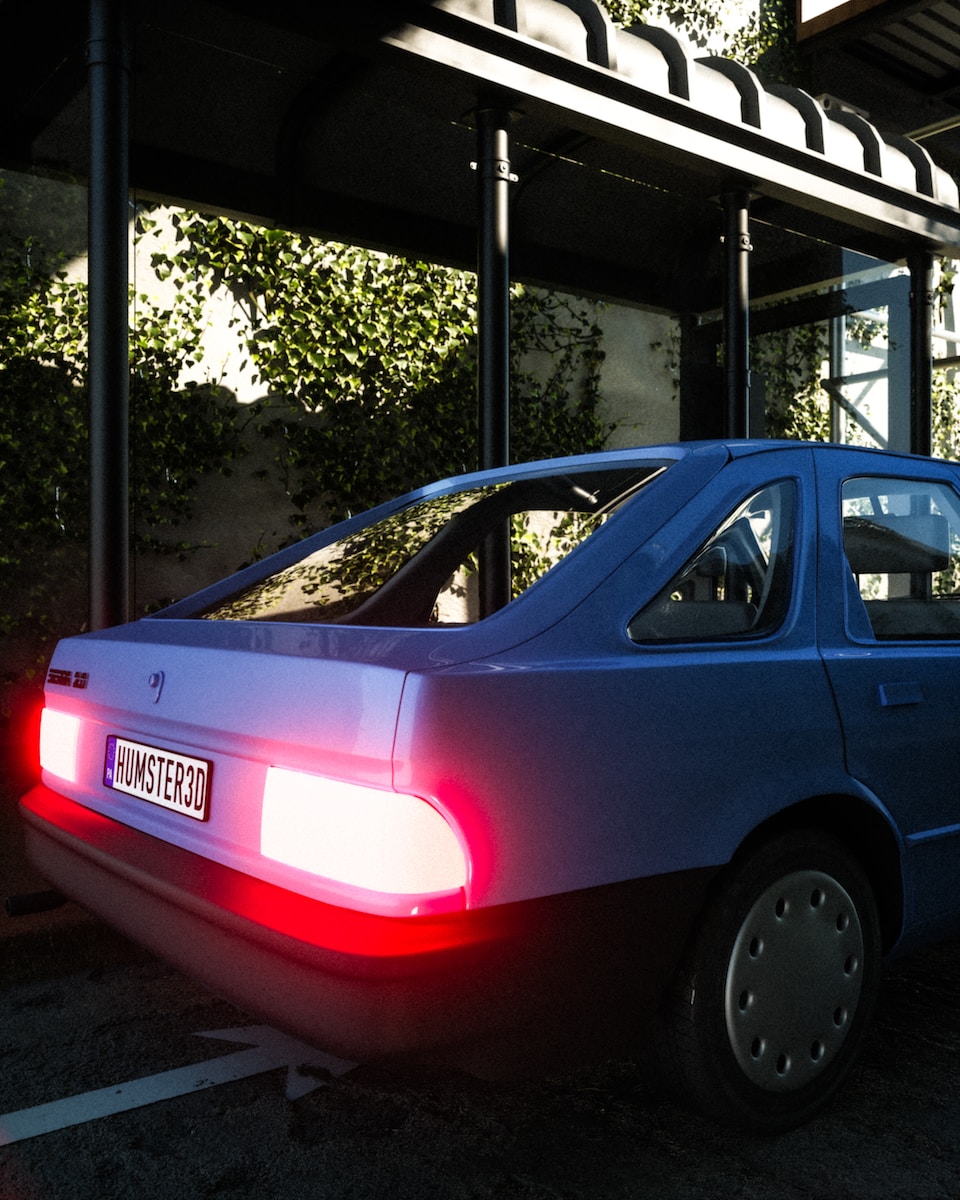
(156, 683)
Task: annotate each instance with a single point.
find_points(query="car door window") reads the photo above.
(737, 584)
(902, 542)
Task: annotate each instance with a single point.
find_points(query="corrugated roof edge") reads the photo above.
(659, 61)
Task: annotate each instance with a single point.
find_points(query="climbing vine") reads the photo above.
(367, 361)
(756, 34)
(177, 433)
(790, 362)
(378, 354)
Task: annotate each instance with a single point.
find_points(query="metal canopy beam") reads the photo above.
(350, 124)
(668, 128)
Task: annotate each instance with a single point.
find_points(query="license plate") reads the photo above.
(174, 781)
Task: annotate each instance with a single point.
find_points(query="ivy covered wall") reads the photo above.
(352, 377)
(360, 368)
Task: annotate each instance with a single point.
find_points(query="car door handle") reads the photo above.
(892, 694)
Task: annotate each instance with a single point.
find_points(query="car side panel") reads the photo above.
(587, 759)
(570, 777)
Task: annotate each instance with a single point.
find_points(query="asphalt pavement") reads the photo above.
(82, 1009)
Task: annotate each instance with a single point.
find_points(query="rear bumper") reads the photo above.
(494, 991)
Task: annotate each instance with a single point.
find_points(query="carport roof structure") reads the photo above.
(357, 122)
(600, 155)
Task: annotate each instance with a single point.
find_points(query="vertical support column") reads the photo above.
(921, 353)
(493, 315)
(837, 341)
(736, 313)
(901, 337)
(493, 286)
(108, 73)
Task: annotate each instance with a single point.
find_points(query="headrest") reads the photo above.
(890, 545)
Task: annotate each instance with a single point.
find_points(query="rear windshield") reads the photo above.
(448, 560)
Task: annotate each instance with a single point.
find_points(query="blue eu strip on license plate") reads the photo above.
(163, 777)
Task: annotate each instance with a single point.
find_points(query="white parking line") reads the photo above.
(267, 1050)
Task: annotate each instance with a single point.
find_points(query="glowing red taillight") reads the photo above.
(59, 742)
(397, 849)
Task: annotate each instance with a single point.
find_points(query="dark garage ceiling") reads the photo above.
(900, 62)
(357, 122)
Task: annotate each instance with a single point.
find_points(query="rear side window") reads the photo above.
(902, 542)
(738, 583)
(448, 560)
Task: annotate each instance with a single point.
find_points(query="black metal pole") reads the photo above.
(493, 287)
(736, 312)
(108, 376)
(921, 353)
(493, 319)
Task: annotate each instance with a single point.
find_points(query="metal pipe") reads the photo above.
(921, 353)
(493, 320)
(493, 287)
(108, 377)
(736, 312)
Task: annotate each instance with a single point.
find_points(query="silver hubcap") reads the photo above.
(793, 981)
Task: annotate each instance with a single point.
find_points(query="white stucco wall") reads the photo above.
(640, 379)
(248, 512)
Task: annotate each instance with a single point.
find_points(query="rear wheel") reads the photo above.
(775, 993)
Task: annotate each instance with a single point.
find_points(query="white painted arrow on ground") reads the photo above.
(266, 1051)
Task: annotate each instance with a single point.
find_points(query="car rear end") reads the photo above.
(181, 801)
(220, 782)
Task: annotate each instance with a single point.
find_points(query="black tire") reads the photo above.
(772, 999)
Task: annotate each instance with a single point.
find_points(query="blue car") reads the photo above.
(653, 748)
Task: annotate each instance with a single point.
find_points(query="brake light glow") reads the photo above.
(389, 844)
(59, 741)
